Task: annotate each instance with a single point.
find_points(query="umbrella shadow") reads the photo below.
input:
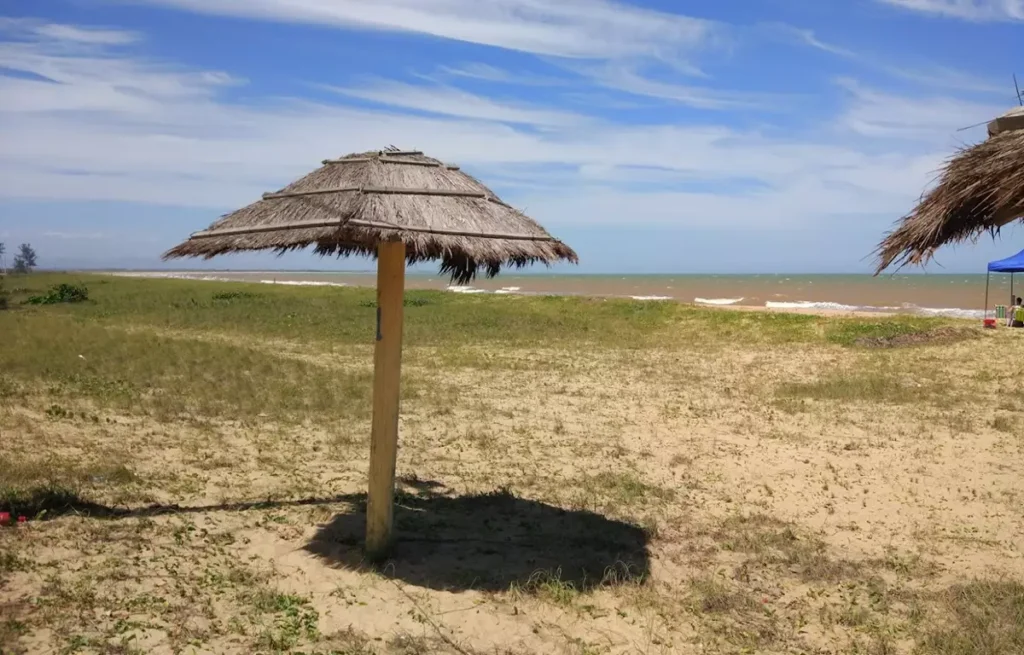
(491, 542)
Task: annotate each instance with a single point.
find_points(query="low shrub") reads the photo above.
(61, 293)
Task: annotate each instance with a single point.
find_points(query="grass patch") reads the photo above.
(619, 490)
(43, 488)
(984, 618)
(733, 614)
(880, 333)
(713, 596)
(11, 562)
(294, 620)
(1007, 423)
(776, 543)
(549, 586)
(42, 501)
(66, 361)
(860, 387)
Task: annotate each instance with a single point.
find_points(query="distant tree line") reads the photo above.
(24, 261)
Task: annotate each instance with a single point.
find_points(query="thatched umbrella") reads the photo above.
(399, 206)
(980, 190)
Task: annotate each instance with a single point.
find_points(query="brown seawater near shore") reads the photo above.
(949, 295)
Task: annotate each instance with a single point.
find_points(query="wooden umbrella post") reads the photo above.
(387, 367)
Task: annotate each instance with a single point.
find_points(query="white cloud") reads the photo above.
(28, 27)
(590, 30)
(114, 126)
(450, 101)
(625, 78)
(876, 114)
(597, 29)
(975, 10)
(85, 75)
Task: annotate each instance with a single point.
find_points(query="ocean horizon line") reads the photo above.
(514, 273)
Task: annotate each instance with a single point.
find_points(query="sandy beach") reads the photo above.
(576, 476)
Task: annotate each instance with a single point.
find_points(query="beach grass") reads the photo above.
(577, 475)
(436, 318)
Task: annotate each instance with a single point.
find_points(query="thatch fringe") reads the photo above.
(438, 211)
(980, 190)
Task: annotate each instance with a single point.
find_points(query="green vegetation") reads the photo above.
(61, 293)
(161, 375)
(849, 333)
(344, 316)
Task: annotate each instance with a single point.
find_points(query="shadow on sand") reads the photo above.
(489, 542)
(486, 542)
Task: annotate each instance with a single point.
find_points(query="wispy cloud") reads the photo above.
(878, 114)
(75, 68)
(940, 77)
(75, 236)
(450, 101)
(975, 10)
(625, 77)
(27, 27)
(591, 29)
(121, 127)
(488, 73)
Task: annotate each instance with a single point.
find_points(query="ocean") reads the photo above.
(953, 295)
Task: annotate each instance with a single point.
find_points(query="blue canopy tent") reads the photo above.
(1011, 265)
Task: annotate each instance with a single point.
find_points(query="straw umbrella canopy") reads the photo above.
(980, 190)
(398, 206)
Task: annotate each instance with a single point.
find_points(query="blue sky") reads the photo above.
(652, 135)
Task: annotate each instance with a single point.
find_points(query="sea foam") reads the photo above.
(948, 312)
(829, 306)
(717, 301)
(304, 283)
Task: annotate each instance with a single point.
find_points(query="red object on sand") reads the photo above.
(990, 322)
(5, 518)
(22, 519)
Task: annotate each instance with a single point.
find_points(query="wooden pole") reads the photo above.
(387, 368)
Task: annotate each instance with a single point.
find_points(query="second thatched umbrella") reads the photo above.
(981, 190)
(399, 206)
